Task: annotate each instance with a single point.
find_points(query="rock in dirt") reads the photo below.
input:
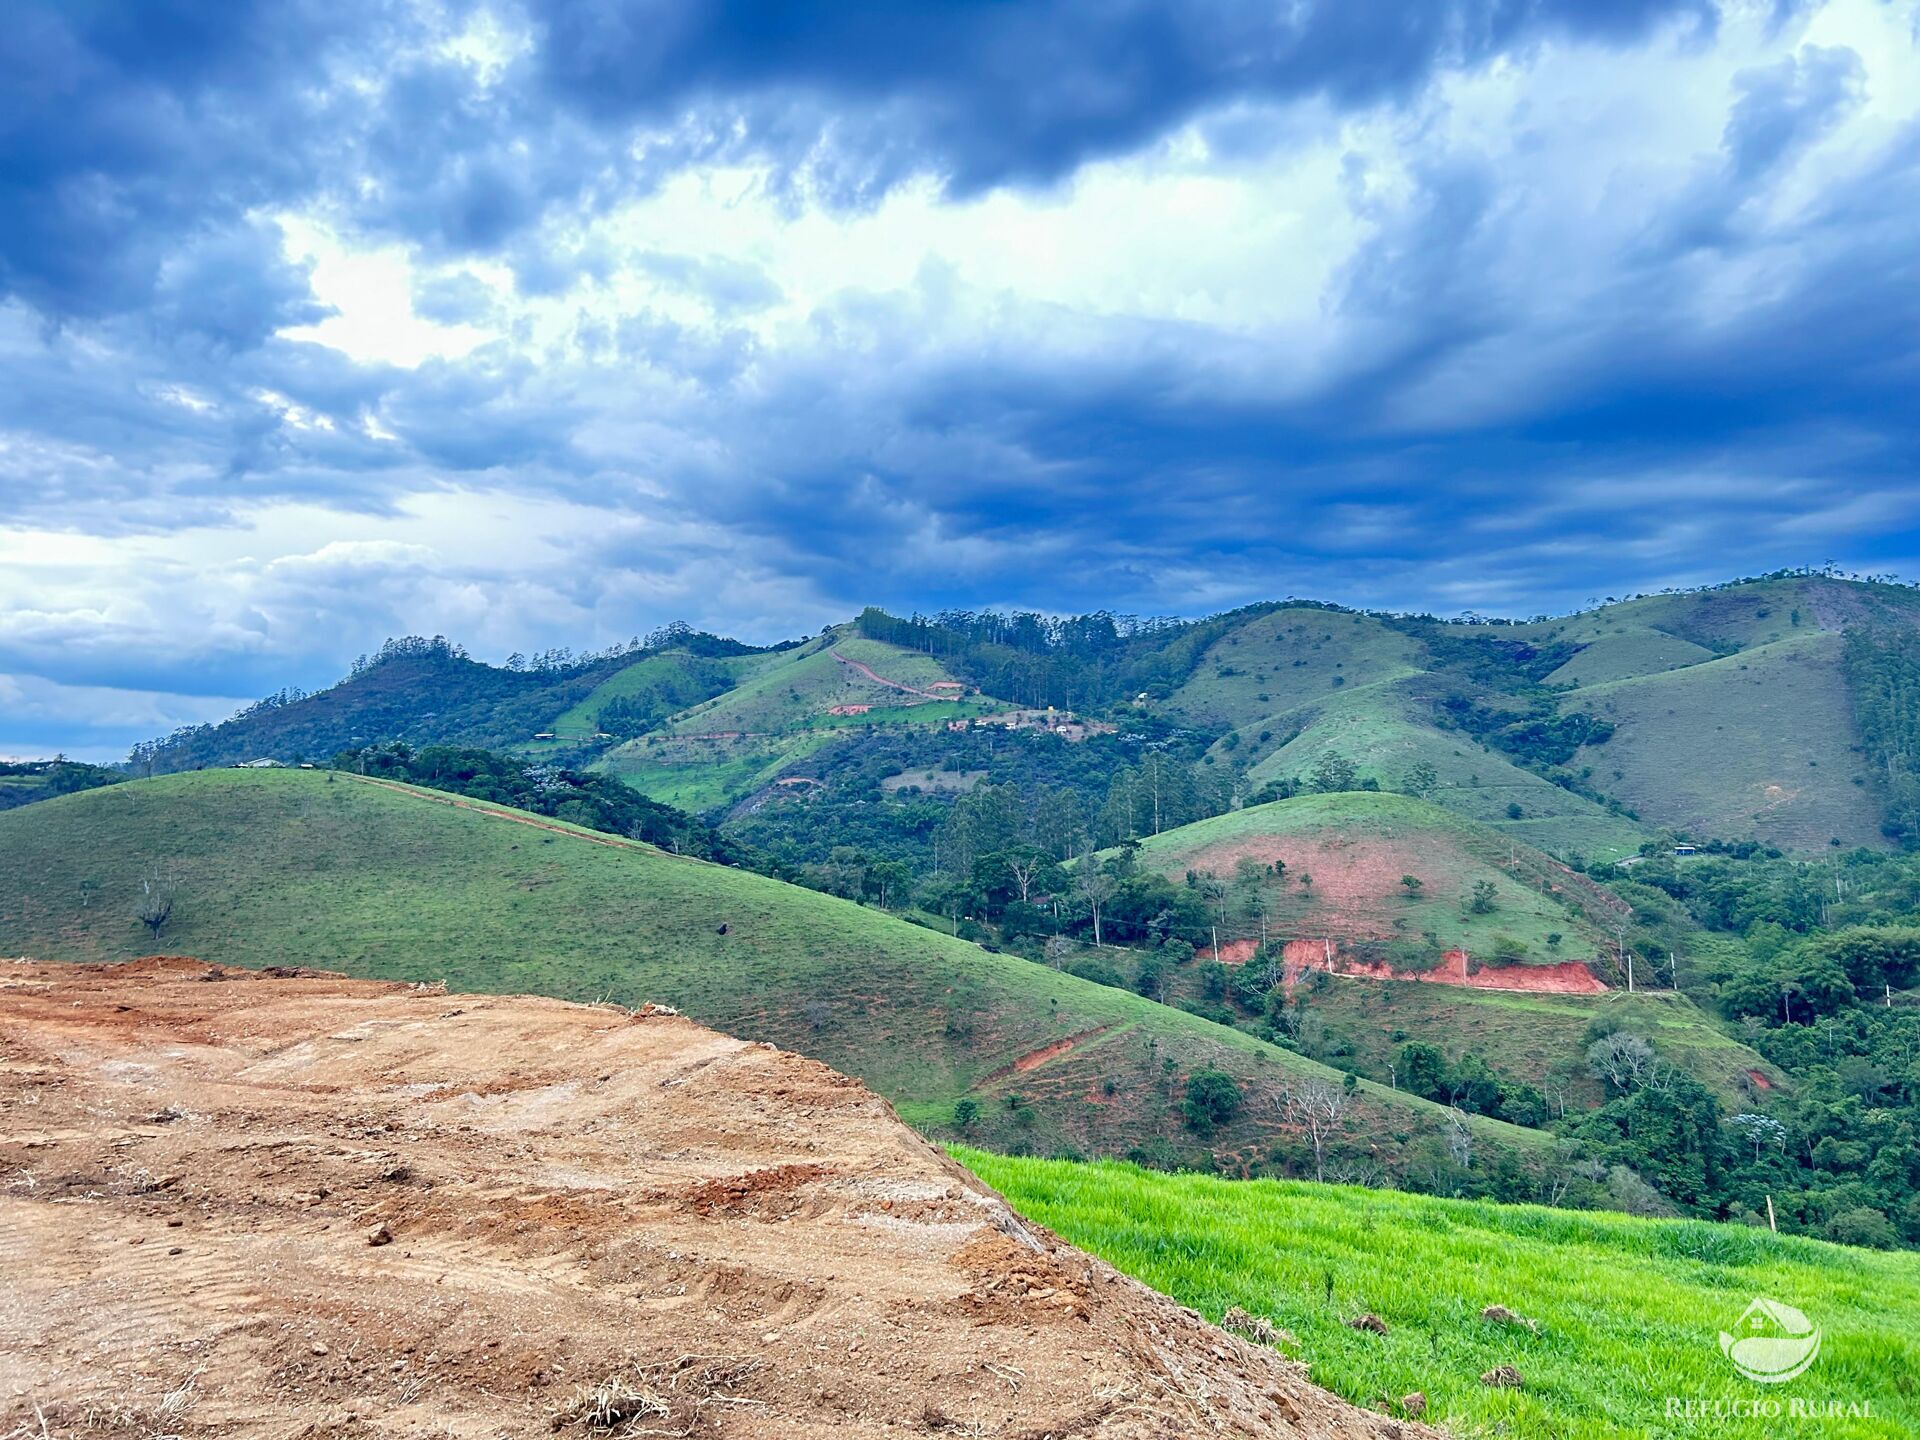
(1414, 1405)
(612, 1226)
(380, 1235)
(1368, 1321)
(1502, 1377)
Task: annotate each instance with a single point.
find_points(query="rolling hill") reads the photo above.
(1525, 983)
(389, 881)
(1722, 713)
(783, 708)
(1761, 742)
(1346, 857)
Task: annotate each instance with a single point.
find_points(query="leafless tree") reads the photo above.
(1625, 1061)
(1023, 868)
(1316, 1106)
(1094, 886)
(155, 906)
(1459, 1139)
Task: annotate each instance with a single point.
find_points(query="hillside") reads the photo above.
(324, 869)
(1387, 731)
(291, 1203)
(1344, 861)
(782, 709)
(1759, 743)
(1583, 736)
(1624, 1313)
(1373, 965)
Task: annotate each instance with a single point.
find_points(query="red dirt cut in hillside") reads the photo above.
(287, 1203)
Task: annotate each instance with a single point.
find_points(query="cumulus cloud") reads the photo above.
(541, 323)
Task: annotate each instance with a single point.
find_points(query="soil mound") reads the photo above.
(249, 1203)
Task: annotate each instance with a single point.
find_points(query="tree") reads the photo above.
(1023, 866)
(1422, 779)
(1213, 1098)
(1316, 1107)
(1332, 771)
(155, 907)
(1484, 900)
(1413, 885)
(1095, 886)
(965, 1111)
(1624, 1060)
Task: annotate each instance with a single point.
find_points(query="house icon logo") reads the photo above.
(1771, 1342)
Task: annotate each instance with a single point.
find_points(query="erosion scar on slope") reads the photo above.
(1053, 1050)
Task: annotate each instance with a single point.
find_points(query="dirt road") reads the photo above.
(253, 1204)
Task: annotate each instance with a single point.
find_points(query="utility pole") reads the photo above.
(1629, 972)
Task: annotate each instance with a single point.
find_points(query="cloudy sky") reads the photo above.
(543, 322)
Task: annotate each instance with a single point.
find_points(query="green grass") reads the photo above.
(1758, 744)
(1291, 657)
(644, 676)
(1358, 845)
(1629, 1310)
(310, 868)
(1625, 651)
(1377, 727)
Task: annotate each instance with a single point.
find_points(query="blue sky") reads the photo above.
(543, 323)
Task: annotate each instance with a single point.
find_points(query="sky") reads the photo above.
(545, 323)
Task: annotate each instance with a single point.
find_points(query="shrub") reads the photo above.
(1213, 1098)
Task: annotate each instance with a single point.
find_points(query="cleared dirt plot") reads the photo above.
(289, 1203)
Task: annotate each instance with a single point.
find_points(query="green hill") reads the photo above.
(325, 869)
(707, 723)
(1759, 744)
(1345, 856)
(1291, 657)
(1386, 729)
(783, 708)
(1626, 1314)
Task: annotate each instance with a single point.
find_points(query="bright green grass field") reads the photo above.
(1629, 1310)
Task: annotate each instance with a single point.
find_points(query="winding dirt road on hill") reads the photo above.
(290, 1204)
(869, 673)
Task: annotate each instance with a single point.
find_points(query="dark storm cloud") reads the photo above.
(984, 93)
(1511, 414)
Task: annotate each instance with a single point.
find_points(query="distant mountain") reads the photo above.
(1731, 713)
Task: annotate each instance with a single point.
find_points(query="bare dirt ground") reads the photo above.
(237, 1203)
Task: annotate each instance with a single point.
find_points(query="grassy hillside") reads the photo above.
(781, 710)
(1356, 847)
(1386, 731)
(1758, 744)
(1291, 657)
(667, 682)
(313, 868)
(1628, 1311)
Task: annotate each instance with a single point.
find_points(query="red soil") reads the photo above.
(1760, 1081)
(1569, 977)
(868, 672)
(1034, 1059)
